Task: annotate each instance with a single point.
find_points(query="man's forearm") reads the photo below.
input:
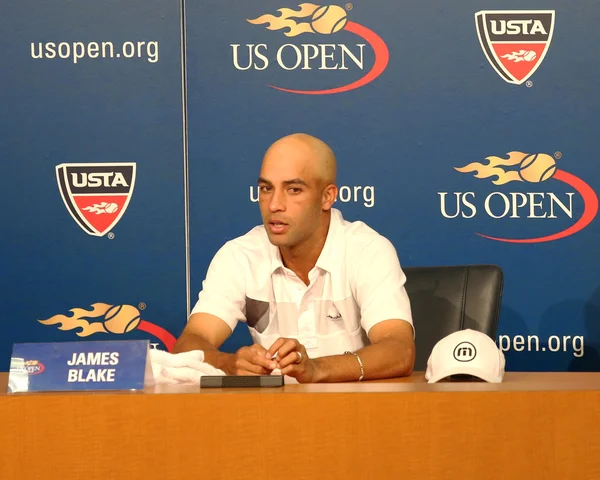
(386, 359)
(190, 341)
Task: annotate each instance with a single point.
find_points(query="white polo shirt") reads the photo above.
(356, 283)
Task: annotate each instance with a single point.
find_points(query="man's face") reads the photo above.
(290, 195)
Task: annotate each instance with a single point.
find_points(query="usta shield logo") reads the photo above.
(96, 194)
(318, 22)
(515, 42)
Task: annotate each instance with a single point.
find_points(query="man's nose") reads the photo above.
(277, 202)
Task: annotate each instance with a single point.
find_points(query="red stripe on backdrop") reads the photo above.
(159, 332)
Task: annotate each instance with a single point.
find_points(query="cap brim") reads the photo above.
(465, 370)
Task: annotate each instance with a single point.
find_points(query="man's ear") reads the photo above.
(329, 195)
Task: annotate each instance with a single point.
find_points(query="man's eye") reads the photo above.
(264, 188)
(295, 190)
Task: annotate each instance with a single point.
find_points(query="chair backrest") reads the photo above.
(447, 299)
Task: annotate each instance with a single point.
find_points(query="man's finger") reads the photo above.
(244, 367)
(259, 359)
(258, 348)
(275, 347)
(293, 358)
(256, 356)
(289, 346)
(291, 370)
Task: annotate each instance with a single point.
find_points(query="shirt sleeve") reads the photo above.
(223, 291)
(378, 284)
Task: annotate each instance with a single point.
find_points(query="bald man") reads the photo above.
(324, 298)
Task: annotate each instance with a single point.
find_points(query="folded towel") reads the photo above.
(185, 359)
(180, 368)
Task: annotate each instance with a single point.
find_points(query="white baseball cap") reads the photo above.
(466, 352)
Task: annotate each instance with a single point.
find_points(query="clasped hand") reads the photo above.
(286, 354)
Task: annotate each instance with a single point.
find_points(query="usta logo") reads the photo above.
(515, 42)
(96, 194)
(516, 27)
(104, 179)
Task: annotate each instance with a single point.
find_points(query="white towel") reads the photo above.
(180, 368)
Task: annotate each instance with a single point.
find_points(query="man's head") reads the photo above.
(297, 189)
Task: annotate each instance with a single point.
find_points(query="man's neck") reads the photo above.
(302, 258)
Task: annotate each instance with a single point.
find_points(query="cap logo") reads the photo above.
(465, 352)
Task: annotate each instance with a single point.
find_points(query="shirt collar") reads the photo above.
(276, 261)
(328, 259)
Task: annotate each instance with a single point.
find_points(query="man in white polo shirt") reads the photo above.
(324, 298)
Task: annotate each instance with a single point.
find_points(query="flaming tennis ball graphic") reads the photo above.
(532, 168)
(328, 19)
(537, 168)
(121, 319)
(105, 318)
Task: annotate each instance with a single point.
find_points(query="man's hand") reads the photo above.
(251, 361)
(391, 354)
(293, 360)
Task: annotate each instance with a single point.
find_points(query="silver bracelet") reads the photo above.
(362, 369)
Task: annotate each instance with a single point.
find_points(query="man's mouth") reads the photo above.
(277, 227)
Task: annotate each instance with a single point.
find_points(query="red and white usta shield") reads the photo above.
(96, 194)
(515, 42)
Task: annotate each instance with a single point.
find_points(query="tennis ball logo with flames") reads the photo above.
(121, 319)
(325, 20)
(328, 19)
(106, 318)
(535, 168)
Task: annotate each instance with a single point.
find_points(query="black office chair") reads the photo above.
(447, 299)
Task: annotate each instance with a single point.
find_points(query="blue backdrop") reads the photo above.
(99, 109)
(419, 98)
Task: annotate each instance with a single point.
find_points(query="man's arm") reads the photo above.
(391, 354)
(223, 294)
(207, 332)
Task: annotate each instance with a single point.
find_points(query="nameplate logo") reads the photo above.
(70, 366)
